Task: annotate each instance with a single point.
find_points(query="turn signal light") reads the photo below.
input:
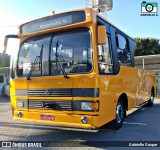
(95, 106)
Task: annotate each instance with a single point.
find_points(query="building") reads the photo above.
(149, 62)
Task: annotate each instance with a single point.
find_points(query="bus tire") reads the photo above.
(151, 101)
(120, 114)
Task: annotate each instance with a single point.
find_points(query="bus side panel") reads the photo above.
(126, 83)
(147, 81)
(144, 85)
(107, 99)
(151, 82)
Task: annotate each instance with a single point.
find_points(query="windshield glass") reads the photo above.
(46, 55)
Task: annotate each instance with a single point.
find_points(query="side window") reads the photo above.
(124, 55)
(105, 62)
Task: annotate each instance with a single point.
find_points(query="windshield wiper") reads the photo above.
(59, 61)
(35, 61)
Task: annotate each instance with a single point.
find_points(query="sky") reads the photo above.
(126, 15)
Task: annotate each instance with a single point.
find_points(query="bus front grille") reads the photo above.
(50, 105)
(50, 92)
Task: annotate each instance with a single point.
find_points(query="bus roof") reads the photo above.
(83, 9)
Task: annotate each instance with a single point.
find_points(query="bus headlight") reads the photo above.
(86, 106)
(90, 106)
(20, 103)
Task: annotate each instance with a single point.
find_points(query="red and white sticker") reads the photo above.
(47, 117)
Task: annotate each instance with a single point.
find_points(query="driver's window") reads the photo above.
(105, 58)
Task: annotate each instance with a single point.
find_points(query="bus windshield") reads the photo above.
(47, 54)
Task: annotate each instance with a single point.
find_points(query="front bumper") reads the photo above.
(62, 120)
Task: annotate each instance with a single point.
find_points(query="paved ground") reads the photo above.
(142, 125)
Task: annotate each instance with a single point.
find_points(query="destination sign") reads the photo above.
(56, 22)
(53, 22)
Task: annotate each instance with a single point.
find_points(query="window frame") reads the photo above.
(127, 47)
(108, 36)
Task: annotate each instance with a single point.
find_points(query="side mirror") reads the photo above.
(6, 41)
(101, 35)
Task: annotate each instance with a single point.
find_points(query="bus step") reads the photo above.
(139, 106)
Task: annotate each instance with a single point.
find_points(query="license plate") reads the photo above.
(47, 117)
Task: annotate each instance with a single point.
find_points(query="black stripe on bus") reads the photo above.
(60, 92)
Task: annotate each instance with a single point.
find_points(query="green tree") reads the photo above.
(147, 46)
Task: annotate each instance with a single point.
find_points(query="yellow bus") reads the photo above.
(76, 69)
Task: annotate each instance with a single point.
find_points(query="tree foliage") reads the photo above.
(147, 46)
(4, 60)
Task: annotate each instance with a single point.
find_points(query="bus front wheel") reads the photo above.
(120, 113)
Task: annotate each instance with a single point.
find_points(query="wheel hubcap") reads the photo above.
(152, 98)
(119, 113)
